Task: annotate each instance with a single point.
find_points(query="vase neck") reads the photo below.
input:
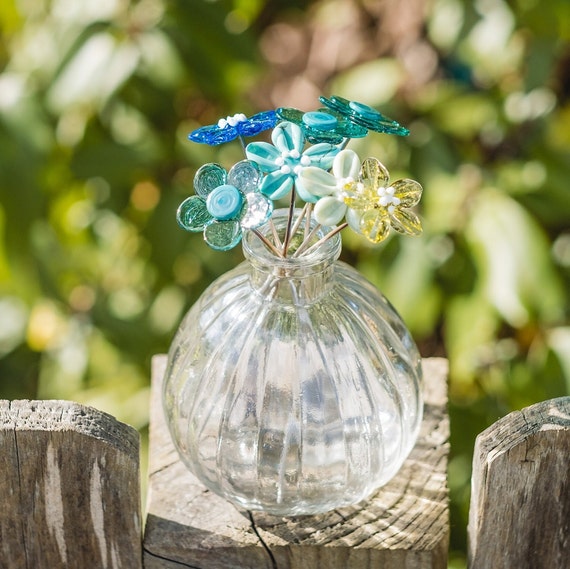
(291, 280)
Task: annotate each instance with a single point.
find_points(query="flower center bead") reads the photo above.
(320, 120)
(232, 121)
(387, 198)
(364, 110)
(224, 202)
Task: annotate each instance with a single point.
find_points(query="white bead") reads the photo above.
(279, 161)
(222, 123)
(305, 161)
(285, 169)
(294, 154)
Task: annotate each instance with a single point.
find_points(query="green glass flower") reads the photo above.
(225, 204)
(364, 115)
(324, 125)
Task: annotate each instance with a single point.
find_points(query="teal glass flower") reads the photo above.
(324, 125)
(364, 115)
(284, 160)
(225, 204)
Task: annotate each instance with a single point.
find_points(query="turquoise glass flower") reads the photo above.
(225, 204)
(285, 159)
(324, 125)
(364, 115)
(233, 126)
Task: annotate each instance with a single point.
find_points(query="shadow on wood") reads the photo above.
(70, 488)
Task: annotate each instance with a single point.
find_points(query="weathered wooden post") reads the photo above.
(69, 488)
(404, 526)
(520, 504)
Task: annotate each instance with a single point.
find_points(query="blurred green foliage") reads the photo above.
(96, 100)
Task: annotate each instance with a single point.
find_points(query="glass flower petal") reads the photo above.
(321, 155)
(374, 171)
(276, 185)
(405, 221)
(257, 123)
(263, 154)
(317, 181)
(258, 210)
(408, 192)
(361, 196)
(208, 177)
(287, 136)
(364, 115)
(375, 225)
(193, 214)
(329, 211)
(213, 135)
(223, 235)
(245, 176)
(346, 164)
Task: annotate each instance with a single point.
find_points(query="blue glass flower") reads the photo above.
(225, 204)
(324, 125)
(231, 127)
(284, 160)
(364, 116)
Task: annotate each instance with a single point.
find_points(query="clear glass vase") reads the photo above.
(292, 385)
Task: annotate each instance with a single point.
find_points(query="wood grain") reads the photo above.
(69, 489)
(404, 526)
(520, 504)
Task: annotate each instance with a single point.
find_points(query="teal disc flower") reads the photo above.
(285, 159)
(225, 204)
(324, 125)
(364, 115)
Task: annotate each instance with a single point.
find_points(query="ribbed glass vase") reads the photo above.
(292, 385)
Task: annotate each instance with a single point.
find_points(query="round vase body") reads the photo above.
(292, 385)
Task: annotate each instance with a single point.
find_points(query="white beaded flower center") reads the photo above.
(232, 121)
(295, 155)
(388, 199)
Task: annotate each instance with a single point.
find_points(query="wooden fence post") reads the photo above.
(404, 526)
(69, 488)
(520, 504)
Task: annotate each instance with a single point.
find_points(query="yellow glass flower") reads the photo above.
(380, 205)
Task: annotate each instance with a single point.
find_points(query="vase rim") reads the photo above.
(255, 251)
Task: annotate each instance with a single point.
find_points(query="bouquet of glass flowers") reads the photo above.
(308, 160)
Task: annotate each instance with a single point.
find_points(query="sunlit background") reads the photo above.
(96, 101)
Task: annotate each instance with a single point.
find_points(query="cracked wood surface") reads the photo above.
(405, 525)
(520, 504)
(69, 488)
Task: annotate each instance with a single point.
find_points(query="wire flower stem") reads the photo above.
(274, 233)
(299, 219)
(308, 217)
(268, 243)
(289, 223)
(306, 241)
(330, 234)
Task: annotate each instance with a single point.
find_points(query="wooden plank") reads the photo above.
(520, 503)
(70, 488)
(404, 526)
